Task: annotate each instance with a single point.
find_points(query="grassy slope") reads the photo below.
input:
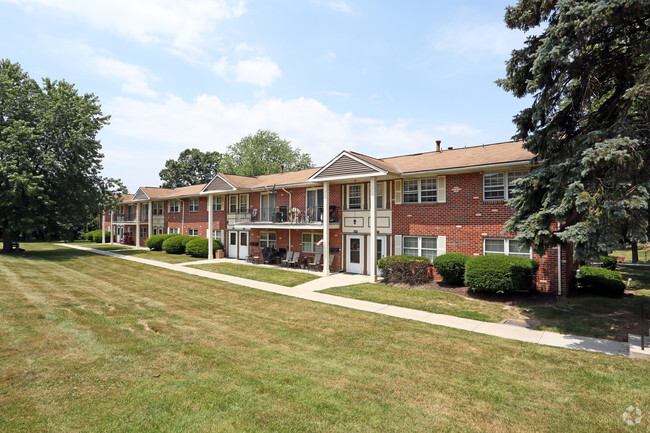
(92, 343)
(275, 276)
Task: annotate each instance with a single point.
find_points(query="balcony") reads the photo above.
(282, 216)
(124, 218)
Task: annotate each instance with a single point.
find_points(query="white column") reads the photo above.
(150, 218)
(326, 228)
(137, 224)
(210, 253)
(104, 227)
(372, 250)
(112, 228)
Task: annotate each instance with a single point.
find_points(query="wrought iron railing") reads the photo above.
(645, 312)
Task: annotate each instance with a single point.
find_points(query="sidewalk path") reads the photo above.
(307, 291)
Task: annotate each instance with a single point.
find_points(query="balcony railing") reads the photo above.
(285, 214)
(121, 218)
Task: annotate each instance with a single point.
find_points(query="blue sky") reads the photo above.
(377, 77)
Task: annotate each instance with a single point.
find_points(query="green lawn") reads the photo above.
(644, 255)
(95, 344)
(258, 273)
(428, 300)
(105, 247)
(160, 256)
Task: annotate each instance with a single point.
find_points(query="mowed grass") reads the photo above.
(644, 254)
(93, 343)
(160, 256)
(427, 300)
(259, 273)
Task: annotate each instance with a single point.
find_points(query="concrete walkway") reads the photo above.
(308, 292)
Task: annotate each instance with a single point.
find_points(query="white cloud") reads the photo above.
(260, 71)
(336, 5)
(135, 79)
(185, 27)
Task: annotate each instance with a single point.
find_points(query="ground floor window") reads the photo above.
(143, 232)
(510, 247)
(172, 231)
(310, 242)
(216, 234)
(268, 239)
(420, 246)
(193, 232)
(158, 231)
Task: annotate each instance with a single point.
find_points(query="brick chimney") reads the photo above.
(438, 145)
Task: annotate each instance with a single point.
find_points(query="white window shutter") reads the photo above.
(398, 245)
(398, 192)
(442, 189)
(442, 245)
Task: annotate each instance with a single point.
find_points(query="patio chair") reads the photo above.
(295, 260)
(287, 259)
(316, 263)
(332, 260)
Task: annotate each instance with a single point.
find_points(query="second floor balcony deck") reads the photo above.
(305, 217)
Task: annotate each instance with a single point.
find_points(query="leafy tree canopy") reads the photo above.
(50, 158)
(191, 168)
(263, 153)
(587, 70)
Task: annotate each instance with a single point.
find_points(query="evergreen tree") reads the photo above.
(588, 71)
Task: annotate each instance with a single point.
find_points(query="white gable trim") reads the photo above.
(349, 155)
(140, 199)
(203, 191)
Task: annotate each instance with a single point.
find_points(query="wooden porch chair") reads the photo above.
(316, 263)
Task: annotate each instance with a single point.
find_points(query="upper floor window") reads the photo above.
(420, 191)
(420, 246)
(243, 202)
(233, 204)
(494, 185)
(157, 208)
(355, 196)
(194, 205)
(217, 203)
(505, 246)
(380, 194)
(174, 206)
(193, 232)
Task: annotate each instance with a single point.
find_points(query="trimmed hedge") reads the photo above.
(451, 267)
(608, 262)
(198, 247)
(497, 273)
(90, 236)
(411, 270)
(600, 281)
(175, 244)
(97, 236)
(155, 242)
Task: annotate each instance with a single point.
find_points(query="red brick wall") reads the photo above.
(466, 219)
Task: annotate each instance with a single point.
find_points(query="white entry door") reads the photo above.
(243, 245)
(355, 254)
(381, 251)
(232, 244)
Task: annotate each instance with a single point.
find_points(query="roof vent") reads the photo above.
(438, 145)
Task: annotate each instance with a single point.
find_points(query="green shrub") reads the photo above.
(608, 262)
(600, 281)
(155, 242)
(97, 236)
(410, 270)
(497, 273)
(90, 236)
(198, 247)
(175, 244)
(451, 267)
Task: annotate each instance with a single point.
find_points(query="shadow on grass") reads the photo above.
(53, 255)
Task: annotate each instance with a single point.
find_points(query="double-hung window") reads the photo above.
(420, 191)
(310, 241)
(268, 239)
(172, 231)
(157, 208)
(174, 206)
(194, 205)
(243, 203)
(420, 246)
(499, 186)
(380, 194)
(217, 203)
(355, 196)
(509, 247)
(233, 204)
(193, 232)
(216, 234)
(143, 232)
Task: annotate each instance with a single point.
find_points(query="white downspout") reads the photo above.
(289, 194)
(559, 269)
(182, 217)
(210, 241)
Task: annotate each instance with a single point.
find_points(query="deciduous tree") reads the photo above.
(587, 69)
(263, 153)
(192, 167)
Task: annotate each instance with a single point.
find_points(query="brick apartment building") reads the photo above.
(353, 210)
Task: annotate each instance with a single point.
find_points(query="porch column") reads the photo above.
(372, 250)
(112, 229)
(150, 218)
(137, 224)
(104, 227)
(210, 241)
(326, 228)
